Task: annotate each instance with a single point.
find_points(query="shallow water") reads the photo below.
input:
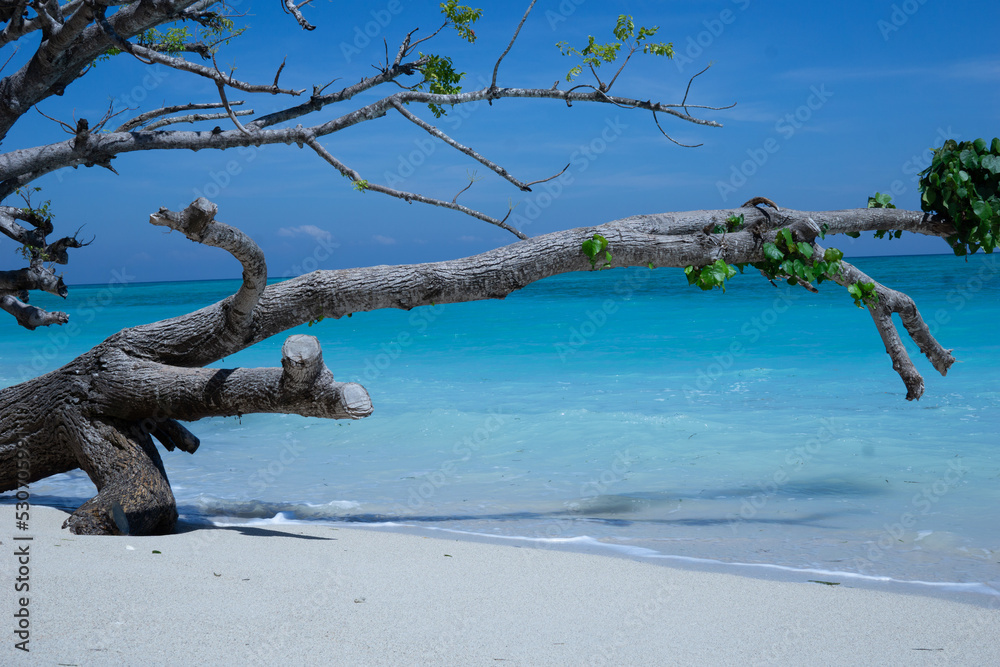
(764, 425)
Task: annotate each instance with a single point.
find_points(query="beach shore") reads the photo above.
(295, 594)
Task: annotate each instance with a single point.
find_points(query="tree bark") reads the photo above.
(102, 411)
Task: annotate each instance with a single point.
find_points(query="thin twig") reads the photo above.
(143, 118)
(657, 120)
(229, 110)
(68, 128)
(192, 118)
(493, 83)
(407, 196)
(433, 131)
(546, 180)
(688, 89)
(455, 198)
(409, 49)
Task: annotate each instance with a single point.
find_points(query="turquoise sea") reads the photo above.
(618, 410)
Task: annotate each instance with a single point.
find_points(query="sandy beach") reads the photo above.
(340, 596)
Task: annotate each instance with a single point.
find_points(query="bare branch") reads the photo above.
(293, 9)
(407, 196)
(66, 127)
(890, 301)
(472, 180)
(143, 118)
(193, 118)
(34, 277)
(433, 131)
(229, 111)
(414, 45)
(31, 317)
(496, 67)
(546, 180)
(198, 223)
(688, 89)
(660, 128)
(150, 56)
(622, 67)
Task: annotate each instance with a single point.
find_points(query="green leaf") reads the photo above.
(805, 248)
(833, 255)
(881, 200)
(982, 210)
(991, 163)
(441, 79)
(772, 253)
(593, 247)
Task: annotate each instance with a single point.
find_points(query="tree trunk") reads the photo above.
(102, 411)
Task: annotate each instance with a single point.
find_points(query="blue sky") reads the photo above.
(834, 101)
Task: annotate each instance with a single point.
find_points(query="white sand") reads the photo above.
(335, 596)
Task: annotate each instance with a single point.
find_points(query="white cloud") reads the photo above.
(384, 240)
(311, 231)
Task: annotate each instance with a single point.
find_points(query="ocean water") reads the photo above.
(622, 408)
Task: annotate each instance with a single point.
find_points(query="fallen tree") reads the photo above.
(104, 411)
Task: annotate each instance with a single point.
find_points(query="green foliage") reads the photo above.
(360, 186)
(963, 184)
(711, 276)
(786, 257)
(864, 294)
(441, 79)
(594, 54)
(881, 200)
(215, 29)
(595, 249)
(43, 213)
(733, 223)
(173, 40)
(461, 18)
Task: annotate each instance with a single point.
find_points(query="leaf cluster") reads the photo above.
(864, 294)
(734, 223)
(882, 200)
(594, 54)
(42, 215)
(440, 78)
(596, 249)
(461, 17)
(963, 183)
(786, 257)
(783, 258)
(215, 28)
(710, 276)
(42, 212)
